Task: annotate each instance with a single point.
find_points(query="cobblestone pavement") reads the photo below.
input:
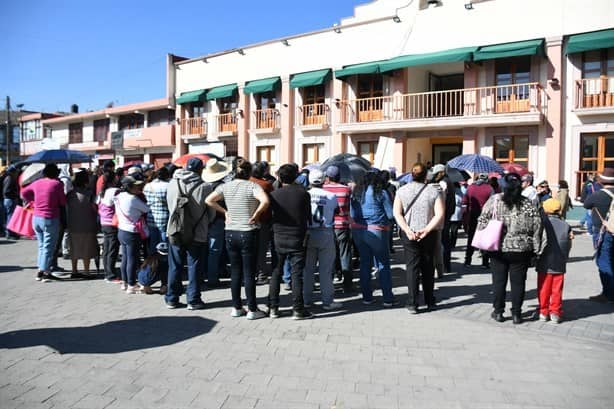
(83, 344)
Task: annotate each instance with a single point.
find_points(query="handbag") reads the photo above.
(21, 221)
(489, 238)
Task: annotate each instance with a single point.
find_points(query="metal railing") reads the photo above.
(480, 101)
(193, 126)
(266, 118)
(313, 115)
(595, 92)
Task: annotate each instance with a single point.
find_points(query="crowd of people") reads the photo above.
(211, 220)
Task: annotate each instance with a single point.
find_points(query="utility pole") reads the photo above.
(8, 130)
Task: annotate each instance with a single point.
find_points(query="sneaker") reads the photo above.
(123, 286)
(236, 313)
(301, 315)
(412, 309)
(544, 317)
(39, 276)
(145, 289)
(47, 277)
(332, 306)
(288, 287)
(113, 280)
(254, 315)
(274, 312)
(196, 306)
(555, 319)
(163, 289)
(390, 304)
(174, 305)
(132, 289)
(368, 302)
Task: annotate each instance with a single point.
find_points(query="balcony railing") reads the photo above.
(193, 127)
(227, 123)
(313, 115)
(501, 99)
(266, 118)
(595, 92)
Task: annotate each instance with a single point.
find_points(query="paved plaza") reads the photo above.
(84, 344)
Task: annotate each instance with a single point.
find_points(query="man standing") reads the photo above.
(187, 182)
(341, 227)
(477, 194)
(157, 217)
(10, 192)
(528, 190)
(321, 242)
(291, 208)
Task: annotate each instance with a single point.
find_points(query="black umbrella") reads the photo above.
(351, 167)
(456, 175)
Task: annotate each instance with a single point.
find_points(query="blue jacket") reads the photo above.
(372, 209)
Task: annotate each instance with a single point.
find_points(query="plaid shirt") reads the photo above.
(155, 193)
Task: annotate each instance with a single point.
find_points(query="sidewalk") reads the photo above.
(83, 344)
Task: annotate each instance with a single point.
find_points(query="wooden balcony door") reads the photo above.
(367, 150)
(513, 75)
(312, 153)
(512, 149)
(370, 90)
(266, 153)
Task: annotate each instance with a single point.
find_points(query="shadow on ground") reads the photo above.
(111, 337)
(10, 269)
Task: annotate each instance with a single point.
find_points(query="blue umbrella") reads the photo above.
(475, 163)
(58, 156)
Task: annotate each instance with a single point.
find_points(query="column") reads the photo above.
(243, 125)
(470, 140)
(338, 143)
(554, 117)
(286, 143)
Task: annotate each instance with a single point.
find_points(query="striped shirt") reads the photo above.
(240, 197)
(342, 192)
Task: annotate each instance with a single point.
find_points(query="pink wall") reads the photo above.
(286, 154)
(153, 137)
(555, 109)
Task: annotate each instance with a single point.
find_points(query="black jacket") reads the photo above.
(601, 202)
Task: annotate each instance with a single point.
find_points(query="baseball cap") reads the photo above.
(194, 165)
(438, 168)
(316, 177)
(129, 181)
(527, 178)
(332, 171)
(483, 176)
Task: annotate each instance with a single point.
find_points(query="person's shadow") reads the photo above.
(111, 337)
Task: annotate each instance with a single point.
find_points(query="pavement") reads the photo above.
(84, 344)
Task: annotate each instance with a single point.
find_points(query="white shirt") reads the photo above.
(129, 209)
(323, 205)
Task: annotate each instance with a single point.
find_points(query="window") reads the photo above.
(597, 152)
(31, 131)
(511, 73)
(598, 78)
(227, 105)
(75, 133)
(266, 100)
(131, 121)
(597, 63)
(512, 149)
(101, 129)
(267, 115)
(370, 89)
(160, 117)
(312, 152)
(265, 153)
(367, 150)
(313, 111)
(313, 95)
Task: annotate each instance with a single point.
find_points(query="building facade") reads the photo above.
(405, 81)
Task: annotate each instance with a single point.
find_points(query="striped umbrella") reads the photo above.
(475, 163)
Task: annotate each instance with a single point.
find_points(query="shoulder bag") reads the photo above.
(489, 238)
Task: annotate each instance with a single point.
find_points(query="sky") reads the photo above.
(89, 53)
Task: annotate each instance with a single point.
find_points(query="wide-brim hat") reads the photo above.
(215, 170)
(607, 176)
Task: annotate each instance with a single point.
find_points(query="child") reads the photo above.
(552, 263)
(153, 269)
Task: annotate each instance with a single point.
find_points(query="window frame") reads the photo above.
(75, 132)
(511, 156)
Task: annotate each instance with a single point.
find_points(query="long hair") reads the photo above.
(512, 190)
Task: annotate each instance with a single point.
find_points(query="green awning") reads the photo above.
(222, 92)
(363, 68)
(260, 86)
(453, 55)
(191, 96)
(311, 78)
(517, 49)
(596, 40)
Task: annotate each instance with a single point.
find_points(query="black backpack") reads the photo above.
(181, 223)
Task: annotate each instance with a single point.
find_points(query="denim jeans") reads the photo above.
(130, 245)
(296, 260)
(264, 239)
(47, 231)
(156, 236)
(9, 208)
(374, 244)
(241, 246)
(420, 268)
(216, 249)
(110, 251)
(320, 252)
(194, 256)
(343, 244)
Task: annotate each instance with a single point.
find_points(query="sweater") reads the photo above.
(48, 196)
(556, 243)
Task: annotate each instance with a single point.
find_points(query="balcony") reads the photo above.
(518, 104)
(193, 128)
(226, 125)
(313, 117)
(594, 96)
(266, 120)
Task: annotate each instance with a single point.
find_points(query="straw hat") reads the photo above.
(607, 176)
(215, 170)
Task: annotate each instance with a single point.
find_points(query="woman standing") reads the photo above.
(419, 211)
(520, 240)
(130, 209)
(106, 210)
(246, 202)
(371, 212)
(48, 197)
(563, 197)
(81, 212)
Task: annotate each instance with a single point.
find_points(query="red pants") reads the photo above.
(550, 293)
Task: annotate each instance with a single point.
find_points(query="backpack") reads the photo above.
(608, 222)
(181, 223)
